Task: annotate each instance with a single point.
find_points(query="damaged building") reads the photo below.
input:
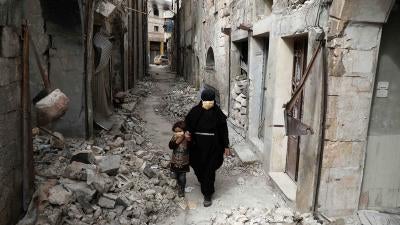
(89, 49)
(312, 86)
(97, 46)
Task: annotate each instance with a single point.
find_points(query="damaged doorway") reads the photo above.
(299, 65)
(239, 92)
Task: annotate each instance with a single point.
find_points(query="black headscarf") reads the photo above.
(208, 95)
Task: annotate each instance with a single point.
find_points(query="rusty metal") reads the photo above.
(42, 70)
(102, 43)
(294, 126)
(28, 174)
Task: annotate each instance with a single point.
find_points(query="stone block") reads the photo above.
(130, 145)
(353, 118)
(80, 189)
(110, 164)
(58, 195)
(10, 71)
(360, 62)
(149, 172)
(106, 203)
(78, 171)
(10, 97)
(84, 156)
(139, 139)
(100, 181)
(10, 43)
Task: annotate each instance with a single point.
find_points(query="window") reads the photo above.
(155, 10)
(210, 62)
(156, 28)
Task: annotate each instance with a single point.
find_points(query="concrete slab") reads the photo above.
(285, 184)
(244, 152)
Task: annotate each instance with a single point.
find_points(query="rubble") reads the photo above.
(116, 178)
(178, 102)
(247, 216)
(110, 164)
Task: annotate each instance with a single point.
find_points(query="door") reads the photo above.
(381, 182)
(299, 65)
(261, 126)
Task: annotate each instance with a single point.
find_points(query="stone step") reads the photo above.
(245, 154)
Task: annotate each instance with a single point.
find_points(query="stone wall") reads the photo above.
(11, 160)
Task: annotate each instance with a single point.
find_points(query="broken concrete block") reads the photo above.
(85, 156)
(139, 139)
(149, 172)
(78, 170)
(123, 201)
(117, 143)
(51, 107)
(79, 188)
(106, 203)
(57, 141)
(100, 181)
(110, 164)
(129, 106)
(130, 145)
(58, 195)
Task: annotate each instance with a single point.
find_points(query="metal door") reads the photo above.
(299, 65)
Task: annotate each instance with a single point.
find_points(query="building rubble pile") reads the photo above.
(178, 102)
(118, 178)
(257, 216)
(239, 101)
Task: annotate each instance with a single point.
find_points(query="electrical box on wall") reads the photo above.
(382, 89)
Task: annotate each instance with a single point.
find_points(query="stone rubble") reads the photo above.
(116, 178)
(239, 101)
(178, 102)
(258, 216)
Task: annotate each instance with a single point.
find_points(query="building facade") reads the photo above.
(159, 12)
(313, 86)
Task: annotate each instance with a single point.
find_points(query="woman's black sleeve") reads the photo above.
(172, 144)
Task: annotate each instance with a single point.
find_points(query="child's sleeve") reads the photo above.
(172, 143)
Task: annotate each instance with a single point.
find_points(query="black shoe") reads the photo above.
(207, 201)
(181, 192)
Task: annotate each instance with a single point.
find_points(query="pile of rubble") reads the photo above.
(239, 101)
(117, 178)
(176, 104)
(253, 216)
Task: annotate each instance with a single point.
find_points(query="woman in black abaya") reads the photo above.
(207, 127)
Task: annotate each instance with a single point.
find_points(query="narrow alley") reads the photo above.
(199, 112)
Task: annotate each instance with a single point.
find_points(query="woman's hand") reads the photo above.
(227, 152)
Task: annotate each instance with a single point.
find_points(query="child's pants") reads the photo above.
(181, 178)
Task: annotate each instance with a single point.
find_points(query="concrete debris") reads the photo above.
(78, 170)
(243, 215)
(106, 203)
(57, 141)
(178, 102)
(58, 195)
(84, 156)
(110, 164)
(116, 178)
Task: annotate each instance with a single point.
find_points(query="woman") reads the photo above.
(208, 130)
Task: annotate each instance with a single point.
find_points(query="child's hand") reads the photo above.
(188, 136)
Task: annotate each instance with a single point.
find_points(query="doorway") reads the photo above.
(381, 182)
(299, 65)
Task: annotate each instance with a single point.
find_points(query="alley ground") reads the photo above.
(234, 188)
(122, 175)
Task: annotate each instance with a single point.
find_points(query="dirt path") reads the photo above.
(233, 188)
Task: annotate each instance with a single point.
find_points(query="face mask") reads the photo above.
(207, 104)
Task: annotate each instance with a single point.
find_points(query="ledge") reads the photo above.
(285, 184)
(262, 27)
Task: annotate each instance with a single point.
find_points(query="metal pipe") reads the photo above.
(28, 175)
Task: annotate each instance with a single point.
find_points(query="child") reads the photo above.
(180, 155)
